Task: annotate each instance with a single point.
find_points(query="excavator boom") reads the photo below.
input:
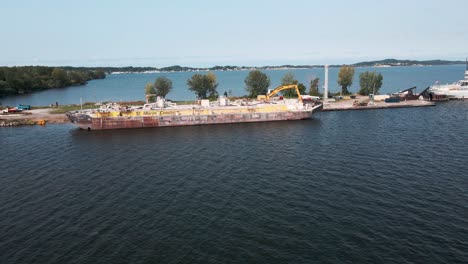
(284, 87)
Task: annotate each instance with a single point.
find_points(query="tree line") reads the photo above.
(369, 82)
(205, 85)
(27, 79)
(257, 83)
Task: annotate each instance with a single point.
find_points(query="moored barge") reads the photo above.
(163, 113)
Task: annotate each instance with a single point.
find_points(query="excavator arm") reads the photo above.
(284, 87)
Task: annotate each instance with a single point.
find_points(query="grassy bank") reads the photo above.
(65, 108)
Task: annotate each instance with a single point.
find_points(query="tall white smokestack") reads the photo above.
(325, 86)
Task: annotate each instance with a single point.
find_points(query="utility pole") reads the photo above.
(325, 85)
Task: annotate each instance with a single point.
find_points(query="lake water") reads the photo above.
(130, 87)
(374, 186)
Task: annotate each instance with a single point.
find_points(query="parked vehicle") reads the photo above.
(11, 110)
(23, 107)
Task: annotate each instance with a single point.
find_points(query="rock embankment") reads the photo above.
(17, 122)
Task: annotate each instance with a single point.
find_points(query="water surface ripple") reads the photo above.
(377, 186)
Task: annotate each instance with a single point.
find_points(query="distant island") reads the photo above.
(177, 68)
(27, 79)
(395, 62)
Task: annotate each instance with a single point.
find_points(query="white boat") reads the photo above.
(456, 90)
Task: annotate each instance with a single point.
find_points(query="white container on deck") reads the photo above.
(205, 103)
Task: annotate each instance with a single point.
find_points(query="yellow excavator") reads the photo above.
(279, 89)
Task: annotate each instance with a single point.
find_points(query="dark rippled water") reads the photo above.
(377, 186)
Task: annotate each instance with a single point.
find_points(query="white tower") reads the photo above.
(325, 84)
(466, 70)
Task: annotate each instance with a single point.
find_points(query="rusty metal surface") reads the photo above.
(188, 120)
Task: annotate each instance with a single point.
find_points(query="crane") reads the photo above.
(284, 87)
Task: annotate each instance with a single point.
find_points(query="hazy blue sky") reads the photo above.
(237, 32)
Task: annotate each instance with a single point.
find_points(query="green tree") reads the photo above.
(13, 81)
(314, 87)
(302, 88)
(289, 79)
(204, 85)
(213, 84)
(37, 84)
(370, 82)
(42, 71)
(162, 86)
(60, 77)
(345, 78)
(27, 79)
(149, 89)
(256, 83)
(35, 78)
(3, 88)
(2, 74)
(76, 78)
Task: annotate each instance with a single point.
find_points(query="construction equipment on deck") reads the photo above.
(284, 87)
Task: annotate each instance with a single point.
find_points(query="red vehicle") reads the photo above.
(11, 110)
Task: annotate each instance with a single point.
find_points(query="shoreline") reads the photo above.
(33, 117)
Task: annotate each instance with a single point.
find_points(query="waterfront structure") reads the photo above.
(165, 113)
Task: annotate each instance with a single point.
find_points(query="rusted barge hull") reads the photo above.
(92, 123)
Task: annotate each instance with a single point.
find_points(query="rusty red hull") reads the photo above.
(89, 123)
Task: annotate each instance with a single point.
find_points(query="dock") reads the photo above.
(344, 105)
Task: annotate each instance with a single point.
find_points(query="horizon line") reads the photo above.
(242, 66)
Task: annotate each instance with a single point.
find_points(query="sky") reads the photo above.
(206, 33)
